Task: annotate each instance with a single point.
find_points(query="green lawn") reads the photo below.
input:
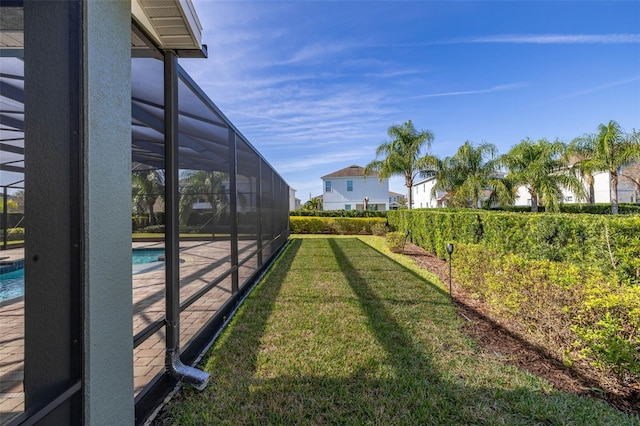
(339, 332)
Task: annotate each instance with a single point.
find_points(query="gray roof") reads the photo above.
(351, 171)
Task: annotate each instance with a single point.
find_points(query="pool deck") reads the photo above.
(12, 259)
(201, 263)
(11, 255)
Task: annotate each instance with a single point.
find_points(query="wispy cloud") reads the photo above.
(392, 74)
(499, 88)
(339, 157)
(598, 88)
(316, 52)
(548, 39)
(623, 38)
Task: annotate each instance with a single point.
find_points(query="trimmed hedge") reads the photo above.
(396, 241)
(575, 312)
(571, 282)
(600, 208)
(335, 225)
(606, 242)
(339, 213)
(14, 234)
(142, 221)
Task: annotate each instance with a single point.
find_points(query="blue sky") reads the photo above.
(315, 85)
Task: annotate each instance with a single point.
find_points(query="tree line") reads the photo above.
(148, 185)
(542, 167)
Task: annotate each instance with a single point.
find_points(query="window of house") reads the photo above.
(347, 206)
(349, 186)
(327, 186)
(569, 199)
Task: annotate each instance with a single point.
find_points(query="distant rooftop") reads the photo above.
(349, 171)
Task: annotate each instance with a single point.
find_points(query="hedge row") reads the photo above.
(575, 312)
(14, 234)
(142, 221)
(606, 242)
(337, 225)
(338, 213)
(601, 208)
(571, 282)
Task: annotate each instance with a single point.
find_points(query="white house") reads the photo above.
(395, 200)
(348, 189)
(294, 202)
(627, 191)
(421, 194)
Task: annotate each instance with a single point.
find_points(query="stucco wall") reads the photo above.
(108, 307)
(421, 193)
(376, 191)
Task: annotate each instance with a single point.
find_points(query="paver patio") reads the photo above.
(201, 263)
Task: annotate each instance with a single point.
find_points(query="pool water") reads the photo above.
(12, 283)
(146, 260)
(140, 257)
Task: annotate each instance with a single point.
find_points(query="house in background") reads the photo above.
(422, 197)
(294, 202)
(349, 189)
(627, 189)
(396, 200)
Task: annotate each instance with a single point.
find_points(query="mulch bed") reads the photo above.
(504, 341)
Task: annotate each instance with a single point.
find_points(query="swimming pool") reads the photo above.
(141, 256)
(11, 285)
(142, 260)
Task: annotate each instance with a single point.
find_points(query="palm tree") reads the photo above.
(146, 187)
(608, 150)
(542, 168)
(469, 173)
(402, 155)
(580, 152)
(313, 204)
(631, 172)
(202, 185)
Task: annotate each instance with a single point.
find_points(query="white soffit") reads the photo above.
(173, 24)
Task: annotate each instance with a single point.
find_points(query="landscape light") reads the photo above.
(450, 251)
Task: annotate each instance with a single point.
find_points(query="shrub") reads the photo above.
(15, 234)
(160, 218)
(572, 311)
(339, 213)
(601, 208)
(611, 243)
(379, 229)
(153, 229)
(306, 225)
(607, 325)
(333, 225)
(396, 241)
(570, 282)
(139, 221)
